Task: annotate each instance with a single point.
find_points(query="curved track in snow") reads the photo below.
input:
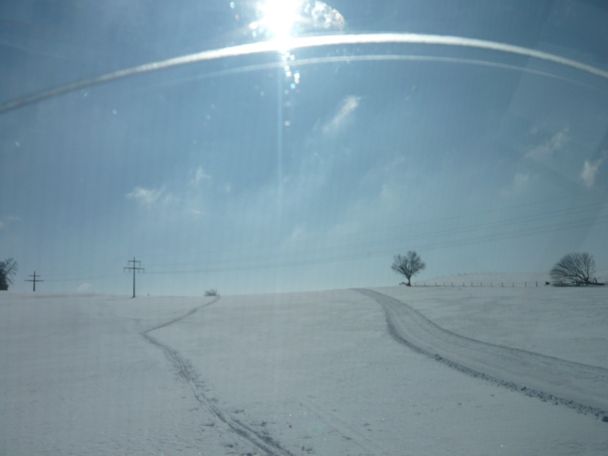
(187, 373)
(578, 386)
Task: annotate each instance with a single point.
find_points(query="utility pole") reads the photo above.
(135, 266)
(34, 279)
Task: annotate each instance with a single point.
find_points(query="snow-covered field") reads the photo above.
(506, 371)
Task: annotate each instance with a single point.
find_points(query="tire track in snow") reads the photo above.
(188, 374)
(344, 429)
(181, 317)
(581, 387)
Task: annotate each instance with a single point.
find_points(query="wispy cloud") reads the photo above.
(84, 287)
(181, 197)
(548, 148)
(199, 175)
(8, 220)
(147, 196)
(590, 170)
(342, 115)
(518, 185)
(195, 212)
(297, 235)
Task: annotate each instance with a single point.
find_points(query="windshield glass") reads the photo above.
(439, 168)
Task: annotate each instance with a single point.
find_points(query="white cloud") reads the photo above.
(518, 185)
(199, 176)
(589, 171)
(344, 113)
(324, 17)
(147, 196)
(547, 149)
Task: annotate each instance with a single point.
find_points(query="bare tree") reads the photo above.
(8, 268)
(574, 269)
(408, 265)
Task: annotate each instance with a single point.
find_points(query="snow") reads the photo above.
(287, 374)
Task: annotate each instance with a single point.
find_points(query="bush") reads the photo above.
(8, 268)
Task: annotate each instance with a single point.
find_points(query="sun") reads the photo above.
(278, 18)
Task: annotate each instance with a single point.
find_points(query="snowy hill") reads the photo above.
(336, 372)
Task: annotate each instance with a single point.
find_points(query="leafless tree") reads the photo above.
(408, 265)
(8, 268)
(574, 269)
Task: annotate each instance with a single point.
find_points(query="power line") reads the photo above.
(508, 228)
(435, 227)
(134, 265)
(83, 278)
(34, 279)
(286, 260)
(356, 246)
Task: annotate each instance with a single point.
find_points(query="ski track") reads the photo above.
(188, 374)
(581, 387)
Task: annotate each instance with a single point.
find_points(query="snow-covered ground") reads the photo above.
(298, 374)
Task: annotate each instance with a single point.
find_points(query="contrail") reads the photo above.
(306, 42)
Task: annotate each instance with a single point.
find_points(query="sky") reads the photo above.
(301, 169)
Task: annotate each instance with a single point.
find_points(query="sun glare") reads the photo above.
(278, 19)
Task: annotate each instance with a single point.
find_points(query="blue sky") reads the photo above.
(251, 180)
